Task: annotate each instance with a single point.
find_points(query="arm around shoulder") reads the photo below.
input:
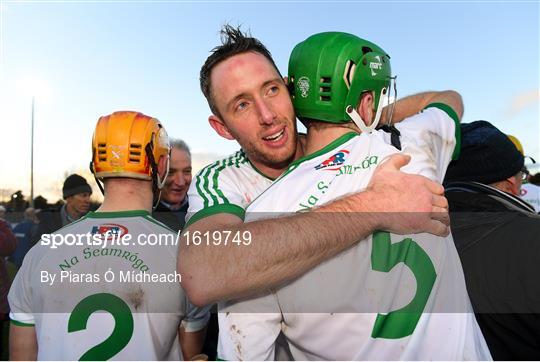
(411, 105)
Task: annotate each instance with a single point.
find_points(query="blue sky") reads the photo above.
(98, 57)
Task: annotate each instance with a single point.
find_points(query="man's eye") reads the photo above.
(241, 106)
(273, 89)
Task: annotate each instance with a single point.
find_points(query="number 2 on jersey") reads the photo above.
(123, 324)
(384, 256)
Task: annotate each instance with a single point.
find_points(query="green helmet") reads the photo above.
(329, 71)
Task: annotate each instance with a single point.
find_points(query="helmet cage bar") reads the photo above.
(393, 106)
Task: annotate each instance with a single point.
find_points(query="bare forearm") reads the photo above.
(411, 105)
(286, 247)
(281, 249)
(191, 342)
(22, 343)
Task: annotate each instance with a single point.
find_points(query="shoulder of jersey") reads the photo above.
(236, 160)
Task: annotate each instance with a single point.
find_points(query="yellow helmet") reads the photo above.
(516, 143)
(129, 144)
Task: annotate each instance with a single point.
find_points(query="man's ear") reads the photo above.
(286, 80)
(219, 126)
(365, 108)
(513, 185)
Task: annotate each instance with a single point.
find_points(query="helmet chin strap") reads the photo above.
(351, 111)
(161, 181)
(157, 182)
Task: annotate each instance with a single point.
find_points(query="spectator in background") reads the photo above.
(173, 206)
(535, 179)
(496, 235)
(8, 243)
(76, 192)
(25, 232)
(529, 191)
(2, 212)
(172, 209)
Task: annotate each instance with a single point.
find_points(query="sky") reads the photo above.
(85, 59)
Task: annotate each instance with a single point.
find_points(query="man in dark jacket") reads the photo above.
(76, 191)
(497, 236)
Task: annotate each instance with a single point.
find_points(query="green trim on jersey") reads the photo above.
(329, 147)
(259, 171)
(116, 214)
(217, 209)
(159, 223)
(335, 143)
(206, 183)
(21, 324)
(452, 114)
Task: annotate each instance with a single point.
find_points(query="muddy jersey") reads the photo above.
(115, 292)
(388, 297)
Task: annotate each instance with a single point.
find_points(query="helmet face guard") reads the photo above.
(129, 144)
(329, 72)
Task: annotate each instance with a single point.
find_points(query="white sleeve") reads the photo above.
(20, 294)
(211, 192)
(432, 138)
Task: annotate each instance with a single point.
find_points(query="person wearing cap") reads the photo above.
(496, 235)
(76, 192)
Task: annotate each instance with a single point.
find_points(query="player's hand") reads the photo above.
(405, 203)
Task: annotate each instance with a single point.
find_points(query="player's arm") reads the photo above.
(191, 342)
(411, 105)
(284, 248)
(22, 343)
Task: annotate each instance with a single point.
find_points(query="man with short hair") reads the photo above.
(120, 281)
(173, 204)
(250, 104)
(496, 235)
(389, 297)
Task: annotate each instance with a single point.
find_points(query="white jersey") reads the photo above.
(531, 194)
(388, 297)
(226, 186)
(107, 301)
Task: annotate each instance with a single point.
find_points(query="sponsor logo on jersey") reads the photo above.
(522, 192)
(333, 163)
(110, 231)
